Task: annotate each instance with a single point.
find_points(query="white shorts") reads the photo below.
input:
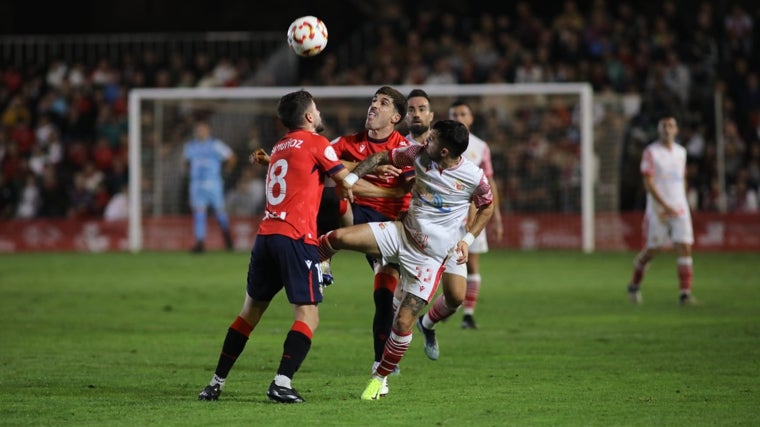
(420, 272)
(480, 244)
(658, 231)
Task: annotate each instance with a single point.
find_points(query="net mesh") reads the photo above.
(535, 141)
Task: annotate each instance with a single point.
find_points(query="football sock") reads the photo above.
(685, 273)
(234, 343)
(325, 249)
(199, 224)
(217, 380)
(282, 381)
(223, 220)
(471, 297)
(383, 320)
(295, 349)
(640, 265)
(395, 348)
(437, 312)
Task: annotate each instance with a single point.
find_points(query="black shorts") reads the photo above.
(278, 261)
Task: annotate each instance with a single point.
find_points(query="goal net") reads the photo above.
(555, 178)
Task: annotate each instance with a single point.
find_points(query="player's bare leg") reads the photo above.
(473, 289)
(443, 307)
(640, 266)
(234, 344)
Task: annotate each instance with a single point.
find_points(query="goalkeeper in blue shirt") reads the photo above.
(206, 156)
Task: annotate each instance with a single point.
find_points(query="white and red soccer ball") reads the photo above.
(307, 36)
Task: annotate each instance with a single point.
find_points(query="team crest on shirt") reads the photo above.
(362, 148)
(458, 185)
(330, 153)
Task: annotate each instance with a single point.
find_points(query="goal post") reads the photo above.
(156, 113)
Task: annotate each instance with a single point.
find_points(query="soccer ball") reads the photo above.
(307, 36)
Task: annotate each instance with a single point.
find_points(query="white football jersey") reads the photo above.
(440, 199)
(478, 152)
(667, 166)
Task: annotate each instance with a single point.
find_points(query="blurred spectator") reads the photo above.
(8, 198)
(742, 198)
(668, 57)
(118, 207)
(55, 202)
(30, 199)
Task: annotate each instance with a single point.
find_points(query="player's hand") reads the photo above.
(349, 195)
(259, 157)
(387, 171)
(498, 230)
(462, 252)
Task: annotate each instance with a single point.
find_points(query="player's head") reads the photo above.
(297, 110)
(667, 128)
(202, 130)
(447, 138)
(460, 111)
(418, 113)
(388, 108)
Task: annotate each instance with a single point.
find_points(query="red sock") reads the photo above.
(439, 310)
(385, 281)
(240, 325)
(395, 348)
(639, 268)
(325, 249)
(685, 273)
(471, 297)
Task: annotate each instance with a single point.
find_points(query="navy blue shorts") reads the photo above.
(278, 261)
(363, 215)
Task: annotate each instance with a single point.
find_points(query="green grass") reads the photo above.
(122, 339)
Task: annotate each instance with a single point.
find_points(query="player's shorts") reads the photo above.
(206, 194)
(480, 244)
(278, 261)
(420, 272)
(657, 231)
(364, 215)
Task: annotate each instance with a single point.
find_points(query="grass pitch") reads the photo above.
(123, 339)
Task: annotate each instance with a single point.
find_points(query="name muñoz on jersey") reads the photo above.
(295, 178)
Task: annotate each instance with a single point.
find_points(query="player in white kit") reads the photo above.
(423, 241)
(479, 153)
(667, 217)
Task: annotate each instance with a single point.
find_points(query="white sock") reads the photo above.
(217, 380)
(282, 381)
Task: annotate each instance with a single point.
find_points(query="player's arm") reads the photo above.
(230, 162)
(484, 205)
(363, 168)
(496, 219)
(259, 157)
(366, 189)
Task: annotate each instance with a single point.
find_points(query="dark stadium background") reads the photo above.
(97, 16)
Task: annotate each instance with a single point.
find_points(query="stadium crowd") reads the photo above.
(63, 126)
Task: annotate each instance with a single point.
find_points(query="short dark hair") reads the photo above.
(292, 107)
(452, 135)
(460, 102)
(418, 93)
(399, 102)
